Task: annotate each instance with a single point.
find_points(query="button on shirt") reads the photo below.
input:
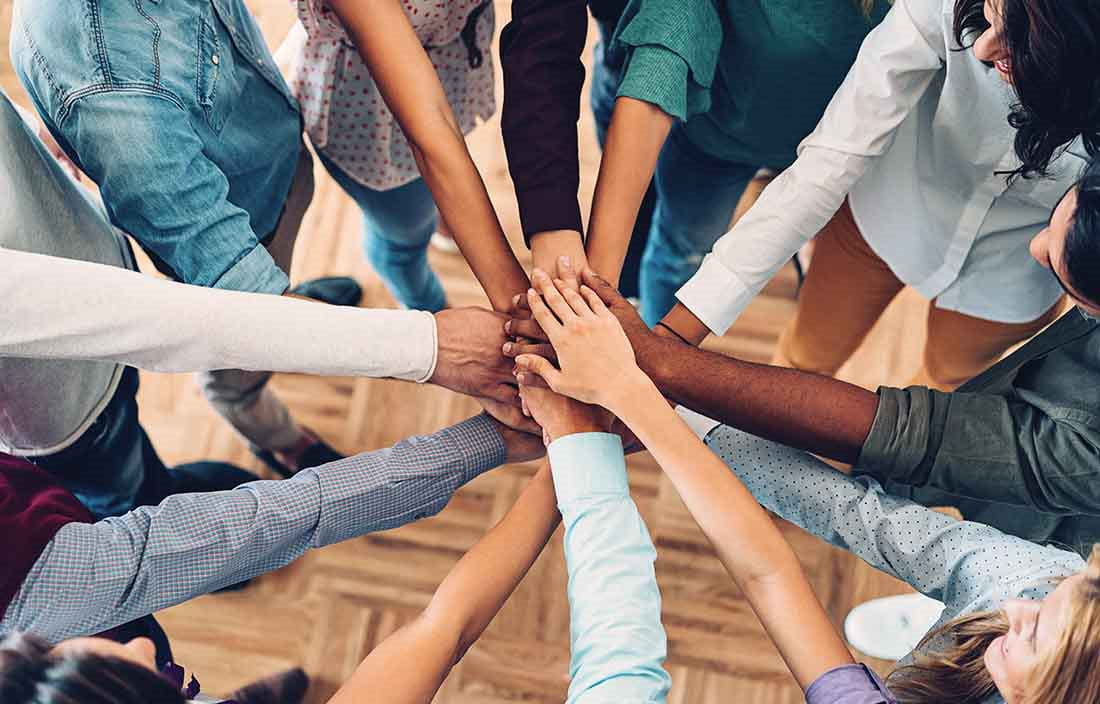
(177, 111)
(915, 137)
(618, 642)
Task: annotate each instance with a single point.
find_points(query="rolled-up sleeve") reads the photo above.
(986, 447)
(163, 190)
(671, 53)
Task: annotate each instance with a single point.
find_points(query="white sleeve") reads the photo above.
(896, 64)
(56, 308)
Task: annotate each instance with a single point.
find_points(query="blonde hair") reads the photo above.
(1066, 675)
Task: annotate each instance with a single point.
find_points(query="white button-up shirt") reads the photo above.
(915, 138)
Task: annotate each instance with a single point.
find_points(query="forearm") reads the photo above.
(811, 412)
(747, 541)
(634, 139)
(411, 88)
(475, 590)
(153, 324)
(547, 247)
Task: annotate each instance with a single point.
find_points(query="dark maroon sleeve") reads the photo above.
(540, 52)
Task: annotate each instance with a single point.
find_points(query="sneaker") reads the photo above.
(316, 454)
(334, 290)
(443, 243)
(889, 628)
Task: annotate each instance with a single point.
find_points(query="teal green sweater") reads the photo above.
(750, 77)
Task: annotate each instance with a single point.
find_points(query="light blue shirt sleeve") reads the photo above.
(618, 642)
(968, 566)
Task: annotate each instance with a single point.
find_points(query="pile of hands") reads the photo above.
(562, 361)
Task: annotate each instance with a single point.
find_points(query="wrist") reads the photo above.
(582, 418)
(634, 389)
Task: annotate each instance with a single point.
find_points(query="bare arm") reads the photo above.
(411, 88)
(411, 664)
(598, 366)
(634, 139)
(800, 409)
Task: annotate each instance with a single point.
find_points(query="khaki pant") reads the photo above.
(844, 293)
(242, 397)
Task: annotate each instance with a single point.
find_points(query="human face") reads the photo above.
(1033, 631)
(139, 651)
(1049, 246)
(990, 47)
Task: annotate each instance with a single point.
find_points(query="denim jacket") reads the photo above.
(177, 110)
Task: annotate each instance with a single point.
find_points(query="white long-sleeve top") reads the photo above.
(914, 138)
(71, 312)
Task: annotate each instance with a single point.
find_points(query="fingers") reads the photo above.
(567, 273)
(607, 293)
(594, 301)
(515, 349)
(552, 296)
(505, 394)
(578, 304)
(531, 380)
(520, 308)
(510, 416)
(543, 316)
(539, 366)
(529, 329)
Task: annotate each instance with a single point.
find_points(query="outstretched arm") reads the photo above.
(411, 664)
(801, 409)
(411, 88)
(598, 366)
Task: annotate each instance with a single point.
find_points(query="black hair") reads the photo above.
(30, 673)
(1081, 251)
(1054, 49)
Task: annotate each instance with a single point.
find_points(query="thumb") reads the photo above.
(607, 293)
(540, 366)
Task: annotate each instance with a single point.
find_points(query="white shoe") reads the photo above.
(889, 628)
(444, 244)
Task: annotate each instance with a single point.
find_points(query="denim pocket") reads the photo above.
(213, 59)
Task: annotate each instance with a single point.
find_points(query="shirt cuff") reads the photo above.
(899, 434)
(433, 348)
(699, 423)
(547, 208)
(255, 272)
(848, 683)
(715, 295)
(584, 464)
(660, 76)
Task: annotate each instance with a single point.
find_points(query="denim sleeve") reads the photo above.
(160, 188)
(618, 642)
(987, 447)
(968, 566)
(93, 577)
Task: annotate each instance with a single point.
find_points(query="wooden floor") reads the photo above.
(330, 608)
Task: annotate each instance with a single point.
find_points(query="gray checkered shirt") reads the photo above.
(95, 576)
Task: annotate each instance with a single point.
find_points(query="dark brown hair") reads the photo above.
(1054, 49)
(31, 674)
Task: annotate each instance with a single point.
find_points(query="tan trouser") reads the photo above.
(242, 397)
(844, 293)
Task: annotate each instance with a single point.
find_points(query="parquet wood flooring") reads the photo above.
(330, 608)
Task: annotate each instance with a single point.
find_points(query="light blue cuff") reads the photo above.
(255, 272)
(585, 464)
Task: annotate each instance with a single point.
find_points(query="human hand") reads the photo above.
(469, 359)
(560, 415)
(597, 363)
(523, 438)
(523, 326)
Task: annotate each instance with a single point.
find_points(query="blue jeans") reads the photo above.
(397, 226)
(696, 196)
